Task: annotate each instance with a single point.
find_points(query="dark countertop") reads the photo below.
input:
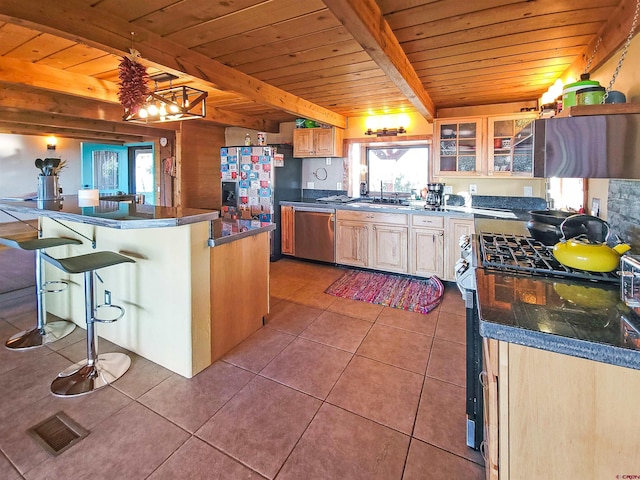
(112, 214)
(226, 231)
(578, 318)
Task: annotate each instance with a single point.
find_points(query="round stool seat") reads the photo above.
(39, 243)
(88, 262)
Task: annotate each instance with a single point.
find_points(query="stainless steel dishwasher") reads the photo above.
(314, 236)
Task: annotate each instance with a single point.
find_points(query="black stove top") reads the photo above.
(517, 253)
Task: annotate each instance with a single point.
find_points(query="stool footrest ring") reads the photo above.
(107, 320)
(44, 288)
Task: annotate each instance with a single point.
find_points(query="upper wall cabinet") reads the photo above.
(317, 142)
(510, 145)
(489, 145)
(459, 146)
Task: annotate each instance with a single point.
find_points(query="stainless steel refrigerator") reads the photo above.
(254, 181)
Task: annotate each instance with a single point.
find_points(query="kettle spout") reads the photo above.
(621, 248)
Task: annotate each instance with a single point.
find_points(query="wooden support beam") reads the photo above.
(13, 71)
(64, 121)
(364, 20)
(613, 33)
(28, 129)
(77, 21)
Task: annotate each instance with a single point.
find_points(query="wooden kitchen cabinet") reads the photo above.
(510, 145)
(286, 230)
(459, 146)
(427, 246)
(352, 243)
(558, 416)
(454, 229)
(317, 142)
(372, 240)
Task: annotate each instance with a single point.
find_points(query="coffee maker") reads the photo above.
(435, 195)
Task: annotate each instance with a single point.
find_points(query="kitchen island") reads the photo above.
(171, 295)
(561, 370)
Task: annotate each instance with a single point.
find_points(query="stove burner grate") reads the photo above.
(518, 253)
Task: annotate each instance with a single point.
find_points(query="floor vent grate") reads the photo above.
(57, 433)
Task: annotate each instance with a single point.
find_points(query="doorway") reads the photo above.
(116, 169)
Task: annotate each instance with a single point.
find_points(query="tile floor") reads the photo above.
(328, 389)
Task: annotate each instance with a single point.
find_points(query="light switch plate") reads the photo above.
(448, 189)
(339, 186)
(528, 191)
(328, 161)
(310, 185)
(473, 188)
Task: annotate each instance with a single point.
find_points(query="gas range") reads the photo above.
(521, 254)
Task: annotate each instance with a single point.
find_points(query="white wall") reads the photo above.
(17, 163)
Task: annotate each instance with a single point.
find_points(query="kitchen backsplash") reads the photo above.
(624, 211)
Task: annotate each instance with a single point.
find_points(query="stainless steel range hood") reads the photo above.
(594, 146)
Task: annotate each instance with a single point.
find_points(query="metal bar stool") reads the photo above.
(44, 332)
(96, 371)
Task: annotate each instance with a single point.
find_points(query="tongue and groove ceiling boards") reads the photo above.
(268, 61)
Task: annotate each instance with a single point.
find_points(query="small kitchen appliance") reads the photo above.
(630, 284)
(435, 195)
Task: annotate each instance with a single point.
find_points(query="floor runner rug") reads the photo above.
(397, 291)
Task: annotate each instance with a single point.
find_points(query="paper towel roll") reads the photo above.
(88, 197)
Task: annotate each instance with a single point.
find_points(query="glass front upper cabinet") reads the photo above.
(458, 146)
(510, 145)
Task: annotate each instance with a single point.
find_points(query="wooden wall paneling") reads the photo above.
(12, 36)
(237, 308)
(198, 160)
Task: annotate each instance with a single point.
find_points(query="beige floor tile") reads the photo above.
(341, 445)
(426, 462)
(379, 392)
(86, 410)
(141, 377)
(412, 321)
(291, 318)
(448, 362)
(130, 444)
(198, 460)
(337, 330)
(397, 347)
(452, 327)
(29, 382)
(452, 301)
(308, 366)
(10, 359)
(441, 419)
(312, 296)
(259, 349)
(79, 334)
(7, 470)
(355, 308)
(261, 424)
(190, 402)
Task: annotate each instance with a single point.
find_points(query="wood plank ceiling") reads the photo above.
(269, 61)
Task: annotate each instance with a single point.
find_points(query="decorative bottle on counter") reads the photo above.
(247, 140)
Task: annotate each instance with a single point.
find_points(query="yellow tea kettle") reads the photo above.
(582, 253)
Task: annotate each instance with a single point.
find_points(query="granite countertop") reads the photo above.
(226, 231)
(112, 214)
(573, 317)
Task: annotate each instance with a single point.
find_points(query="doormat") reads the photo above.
(397, 291)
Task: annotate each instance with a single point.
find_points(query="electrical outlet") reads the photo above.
(448, 189)
(528, 191)
(473, 188)
(310, 185)
(328, 161)
(339, 186)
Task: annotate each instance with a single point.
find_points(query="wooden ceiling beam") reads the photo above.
(364, 20)
(29, 129)
(614, 33)
(76, 20)
(13, 71)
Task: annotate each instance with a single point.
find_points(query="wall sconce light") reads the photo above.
(51, 142)
(385, 132)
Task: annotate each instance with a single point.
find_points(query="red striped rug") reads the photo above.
(397, 291)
